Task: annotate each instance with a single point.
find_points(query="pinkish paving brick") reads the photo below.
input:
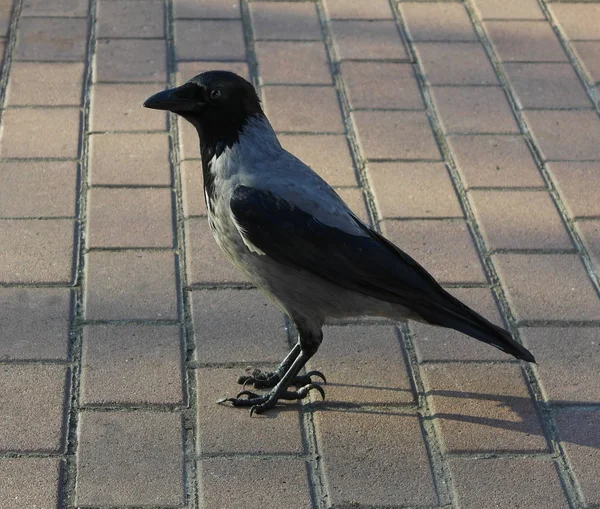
(547, 287)
(395, 135)
(51, 39)
(440, 344)
(5, 16)
(525, 41)
(356, 9)
(355, 199)
(519, 220)
(483, 408)
(437, 22)
(38, 84)
(328, 155)
(258, 483)
(37, 251)
(444, 247)
(588, 54)
(373, 40)
(474, 110)
(362, 474)
(38, 189)
(209, 40)
(277, 432)
(32, 403)
(350, 353)
(212, 9)
(578, 184)
(590, 234)
(567, 362)
(413, 190)
(188, 70)
(130, 458)
(130, 60)
(508, 9)
(293, 21)
(29, 482)
(507, 483)
(130, 18)
(64, 142)
(237, 326)
(320, 110)
(130, 285)
(192, 188)
(381, 85)
(578, 431)
(35, 323)
(577, 20)
(447, 63)
(563, 135)
(150, 355)
(130, 218)
(495, 161)
(293, 62)
(189, 146)
(129, 159)
(55, 8)
(546, 86)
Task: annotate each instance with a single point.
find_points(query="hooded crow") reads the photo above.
(289, 232)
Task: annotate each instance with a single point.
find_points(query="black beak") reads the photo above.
(177, 100)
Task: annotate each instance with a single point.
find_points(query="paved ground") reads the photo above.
(469, 133)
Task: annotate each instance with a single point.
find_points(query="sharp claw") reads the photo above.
(255, 409)
(246, 393)
(317, 373)
(307, 388)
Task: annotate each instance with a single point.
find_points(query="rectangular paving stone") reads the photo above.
(5, 15)
(192, 188)
(130, 458)
(51, 39)
(563, 135)
(507, 482)
(293, 62)
(117, 107)
(459, 63)
(483, 408)
(293, 21)
(220, 425)
(41, 84)
(328, 155)
(444, 247)
(189, 145)
(214, 9)
(578, 184)
(78, 8)
(395, 135)
(130, 60)
(29, 482)
(151, 356)
(130, 285)
(524, 41)
(130, 18)
(590, 234)
(474, 110)
(579, 435)
(381, 85)
(364, 365)
(320, 110)
(567, 362)
(63, 143)
(129, 159)
(259, 483)
(237, 326)
(546, 85)
(547, 287)
(209, 40)
(519, 220)
(32, 405)
(38, 189)
(494, 161)
(37, 251)
(34, 323)
(356, 9)
(508, 9)
(414, 189)
(437, 21)
(588, 54)
(188, 70)
(131, 218)
(440, 344)
(362, 474)
(577, 20)
(373, 40)
(206, 263)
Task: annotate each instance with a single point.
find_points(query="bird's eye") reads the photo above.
(215, 94)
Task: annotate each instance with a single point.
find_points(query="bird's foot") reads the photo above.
(266, 379)
(258, 403)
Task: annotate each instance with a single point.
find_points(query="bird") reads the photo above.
(292, 235)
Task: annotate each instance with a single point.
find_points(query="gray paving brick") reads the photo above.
(55, 8)
(130, 458)
(508, 9)
(579, 186)
(293, 21)
(183, 9)
(51, 39)
(130, 18)
(29, 482)
(577, 21)
(192, 188)
(5, 15)
(130, 60)
(437, 21)
(209, 40)
(590, 234)
(356, 9)
(187, 70)
(588, 54)
(374, 40)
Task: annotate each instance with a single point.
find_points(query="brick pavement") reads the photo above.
(468, 132)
